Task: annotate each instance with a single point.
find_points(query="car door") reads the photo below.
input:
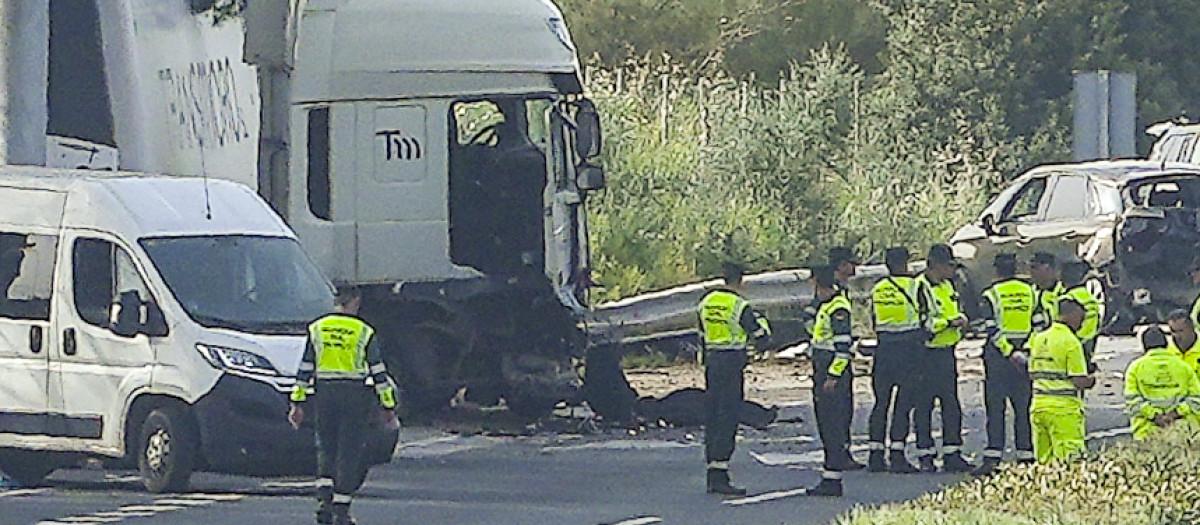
(96, 369)
(1066, 221)
(28, 252)
(1015, 220)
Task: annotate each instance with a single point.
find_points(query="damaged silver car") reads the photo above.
(1136, 223)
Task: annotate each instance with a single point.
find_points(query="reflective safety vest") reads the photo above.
(1048, 299)
(893, 304)
(720, 321)
(1190, 355)
(1159, 382)
(1013, 304)
(824, 337)
(341, 345)
(1091, 308)
(1055, 356)
(942, 308)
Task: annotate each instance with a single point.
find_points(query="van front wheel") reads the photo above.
(26, 467)
(168, 449)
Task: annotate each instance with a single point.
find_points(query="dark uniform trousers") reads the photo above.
(723, 402)
(939, 380)
(892, 377)
(1004, 384)
(343, 415)
(834, 410)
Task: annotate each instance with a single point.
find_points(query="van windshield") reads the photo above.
(263, 285)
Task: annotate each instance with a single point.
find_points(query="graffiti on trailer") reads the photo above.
(202, 103)
(399, 147)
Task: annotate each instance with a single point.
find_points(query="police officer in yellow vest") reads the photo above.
(939, 380)
(341, 354)
(1008, 307)
(898, 327)
(832, 380)
(1060, 375)
(1043, 270)
(1160, 389)
(1074, 273)
(1185, 342)
(726, 324)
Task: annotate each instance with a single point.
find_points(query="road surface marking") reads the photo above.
(768, 496)
(621, 444)
(21, 492)
(159, 506)
(310, 484)
(644, 520)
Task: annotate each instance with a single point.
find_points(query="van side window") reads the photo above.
(26, 274)
(103, 274)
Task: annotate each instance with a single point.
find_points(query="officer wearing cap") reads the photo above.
(938, 299)
(1043, 269)
(832, 380)
(726, 324)
(1060, 375)
(1008, 308)
(897, 325)
(844, 264)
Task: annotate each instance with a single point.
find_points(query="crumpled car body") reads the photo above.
(1136, 223)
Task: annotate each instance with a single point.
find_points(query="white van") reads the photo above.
(157, 321)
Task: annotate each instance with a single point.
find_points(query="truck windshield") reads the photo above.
(263, 285)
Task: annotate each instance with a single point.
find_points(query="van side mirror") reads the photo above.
(128, 320)
(156, 322)
(589, 177)
(988, 223)
(587, 130)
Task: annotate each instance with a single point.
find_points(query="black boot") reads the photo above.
(718, 483)
(954, 462)
(341, 514)
(875, 462)
(986, 468)
(847, 463)
(827, 487)
(899, 464)
(926, 464)
(324, 506)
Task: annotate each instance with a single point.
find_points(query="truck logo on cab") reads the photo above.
(399, 147)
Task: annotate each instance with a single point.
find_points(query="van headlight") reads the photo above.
(224, 358)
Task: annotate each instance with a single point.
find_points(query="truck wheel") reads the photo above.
(168, 450)
(28, 468)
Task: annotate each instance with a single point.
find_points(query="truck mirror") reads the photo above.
(128, 319)
(589, 177)
(156, 322)
(587, 130)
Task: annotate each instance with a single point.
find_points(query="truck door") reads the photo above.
(28, 250)
(96, 369)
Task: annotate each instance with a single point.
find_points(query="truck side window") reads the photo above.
(26, 274)
(102, 272)
(318, 163)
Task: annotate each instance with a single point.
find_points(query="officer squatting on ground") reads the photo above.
(341, 354)
(1160, 388)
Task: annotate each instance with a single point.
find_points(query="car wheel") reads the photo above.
(28, 468)
(169, 446)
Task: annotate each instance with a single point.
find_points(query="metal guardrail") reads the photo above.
(671, 314)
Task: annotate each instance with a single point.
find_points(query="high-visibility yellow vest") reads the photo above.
(823, 337)
(341, 345)
(1190, 355)
(720, 321)
(1055, 356)
(1159, 382)
(893, 304)
(1013, 304)
(943, 309)
(1048, 299)
(1091, 308)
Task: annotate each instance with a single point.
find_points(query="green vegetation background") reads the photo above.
(769, 130)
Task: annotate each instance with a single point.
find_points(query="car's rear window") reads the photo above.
(1166, 192)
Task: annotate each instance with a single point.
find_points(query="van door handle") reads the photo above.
(35, 339)
(69, 341)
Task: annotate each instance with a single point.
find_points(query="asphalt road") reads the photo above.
(616, 476)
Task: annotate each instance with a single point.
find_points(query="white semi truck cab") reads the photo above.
(438, 152)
